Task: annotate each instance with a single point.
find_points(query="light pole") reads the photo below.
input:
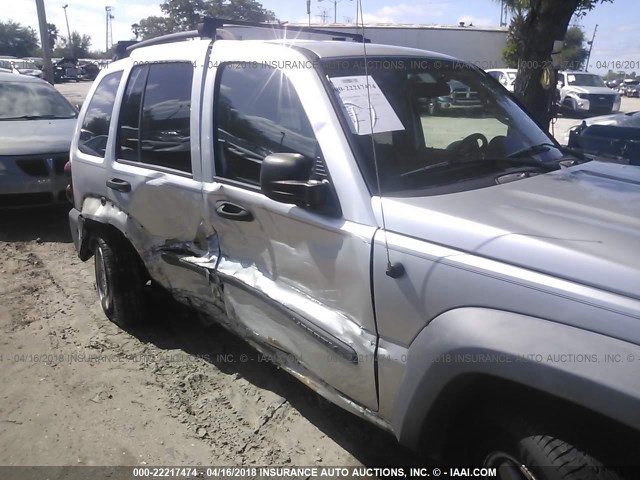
(503, 14)
(44, 40)
(64, 7)
(586, 64)
(108, 17)
(335, 8)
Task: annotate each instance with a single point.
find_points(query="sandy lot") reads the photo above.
(77, 390)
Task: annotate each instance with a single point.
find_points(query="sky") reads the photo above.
(617, 38)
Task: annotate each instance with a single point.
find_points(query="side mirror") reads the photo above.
(285, 177)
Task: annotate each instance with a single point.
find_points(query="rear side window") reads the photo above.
(94, 132)
(155, 116)
(259, 113)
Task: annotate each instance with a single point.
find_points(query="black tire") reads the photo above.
(522, 451)
(119, 280)
(570, 107)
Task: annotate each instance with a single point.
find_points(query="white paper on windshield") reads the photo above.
(353, 94)
(571, 78)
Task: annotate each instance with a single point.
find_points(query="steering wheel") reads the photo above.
(468, 148)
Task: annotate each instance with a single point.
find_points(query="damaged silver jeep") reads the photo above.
(458, 279)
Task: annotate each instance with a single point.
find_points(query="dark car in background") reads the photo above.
(36, 127)
(614, 136)
(66, 69)
(89, 70)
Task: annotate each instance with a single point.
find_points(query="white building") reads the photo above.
(481, 46)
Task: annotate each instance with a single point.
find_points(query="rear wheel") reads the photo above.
(119, 280)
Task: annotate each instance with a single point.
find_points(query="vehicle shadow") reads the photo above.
(177, 327)
(43, 224)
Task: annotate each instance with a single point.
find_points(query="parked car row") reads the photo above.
(630, 88)
(577, 92)
(20, 66)
(64, 69)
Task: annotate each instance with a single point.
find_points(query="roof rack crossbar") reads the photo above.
(209, 26)
(171, 37)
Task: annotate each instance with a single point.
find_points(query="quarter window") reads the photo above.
(155, 118)
(259, 113)
(129, 121)
(95, 125)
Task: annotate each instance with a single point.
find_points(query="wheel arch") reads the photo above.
(101, 217)
(483, 347)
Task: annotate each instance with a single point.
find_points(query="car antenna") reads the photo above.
(394, 270)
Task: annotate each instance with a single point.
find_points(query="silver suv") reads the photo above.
(582, 92)
(462, 282)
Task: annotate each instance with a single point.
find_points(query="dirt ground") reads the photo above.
(78, 390)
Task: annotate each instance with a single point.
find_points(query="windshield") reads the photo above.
(436, 123)
(512, 75)
(27, 100)
(584, 80)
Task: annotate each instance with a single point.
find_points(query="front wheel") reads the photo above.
(524, 452)
(119, 280)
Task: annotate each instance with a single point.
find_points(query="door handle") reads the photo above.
(234, 212)
(119, 184)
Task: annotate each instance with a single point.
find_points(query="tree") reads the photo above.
(154, 26)
(53, 32)
(249, 10)
(573, 53)
(545, 21)
(77, 48)
(181, 15)
(514, 37)
(16, 40)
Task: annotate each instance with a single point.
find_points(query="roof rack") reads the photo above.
(209, 26)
